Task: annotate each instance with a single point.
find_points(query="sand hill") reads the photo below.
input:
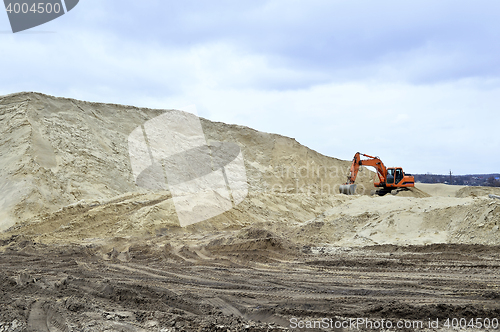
(65, 176)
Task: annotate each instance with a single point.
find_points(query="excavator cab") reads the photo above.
(395, 176)
(399, 175)
(390, 176)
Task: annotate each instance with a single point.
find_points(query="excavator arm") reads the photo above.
(379, 166)
(349, 188)
(354, 168)
(372, 161)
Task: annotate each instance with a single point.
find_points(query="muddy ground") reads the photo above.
(258, 287)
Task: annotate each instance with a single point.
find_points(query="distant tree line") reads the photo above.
(486, 180)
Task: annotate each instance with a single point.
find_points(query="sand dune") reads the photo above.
(66, 176)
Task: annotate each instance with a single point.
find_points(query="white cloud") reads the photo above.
(416, 83)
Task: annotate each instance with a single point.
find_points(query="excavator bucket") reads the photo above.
(347, 189)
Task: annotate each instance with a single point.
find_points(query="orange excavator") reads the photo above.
(389, 178)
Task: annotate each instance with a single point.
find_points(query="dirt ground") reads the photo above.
(261, 286)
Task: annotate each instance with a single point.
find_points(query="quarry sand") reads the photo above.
(439, 189)
(83, 247)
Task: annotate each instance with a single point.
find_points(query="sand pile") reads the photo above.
(404, 221)
(444, 190)
(477, 191)
(66, 176)
(439, 189)
(60, 152)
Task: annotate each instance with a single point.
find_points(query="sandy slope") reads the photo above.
(57, 152)
(66, 177)
(439, 189)
(444, 190)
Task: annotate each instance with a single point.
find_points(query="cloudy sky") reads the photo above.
(414, 82)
